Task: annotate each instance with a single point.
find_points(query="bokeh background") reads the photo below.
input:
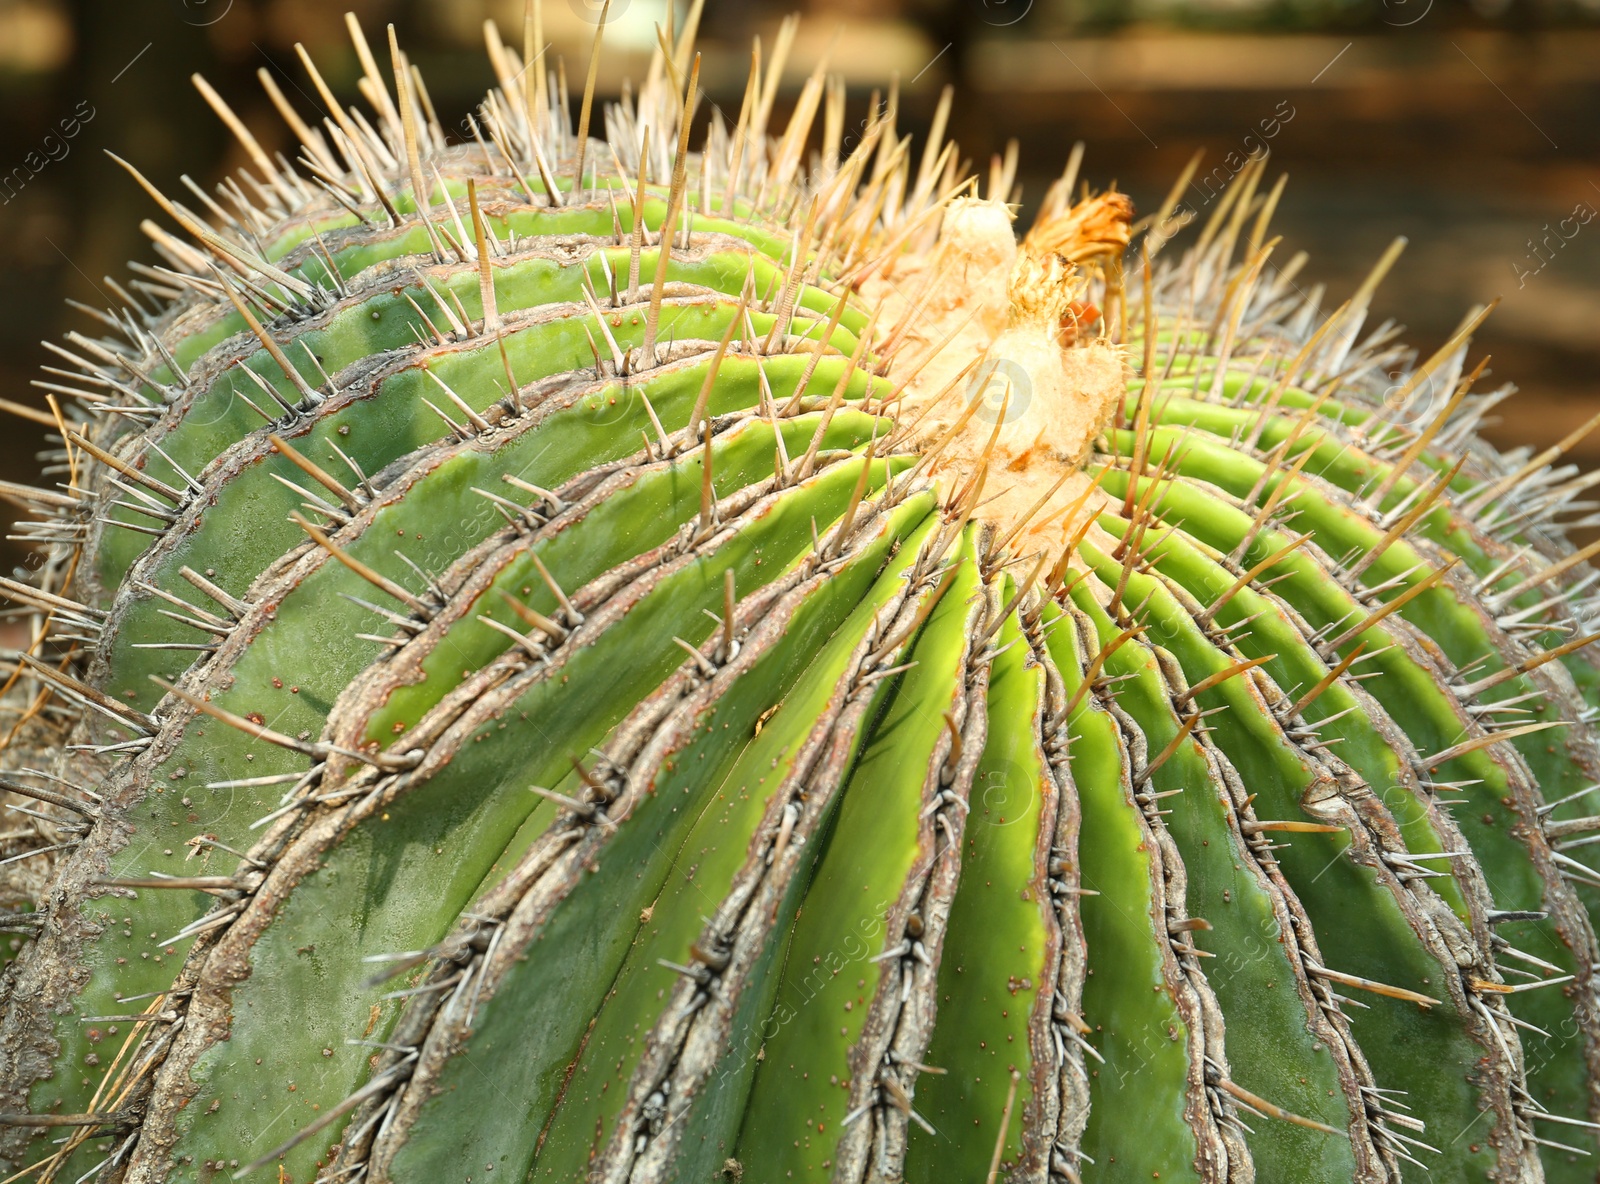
(1471, 128)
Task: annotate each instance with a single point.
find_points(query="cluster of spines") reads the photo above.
(231, 264)
(1413, 518)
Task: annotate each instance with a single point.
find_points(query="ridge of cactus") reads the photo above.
(567, 657)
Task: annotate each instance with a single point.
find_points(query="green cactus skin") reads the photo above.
(521, 694)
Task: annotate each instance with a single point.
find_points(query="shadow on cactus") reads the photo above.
(567, 660)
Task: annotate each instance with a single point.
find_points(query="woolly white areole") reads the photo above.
(1040, 403)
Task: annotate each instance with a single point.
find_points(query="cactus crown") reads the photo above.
(576, 660)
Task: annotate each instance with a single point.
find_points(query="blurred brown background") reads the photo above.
(1473, 129)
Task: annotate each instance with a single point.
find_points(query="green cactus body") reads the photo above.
(659, 666)
(999, 950)
(1148, 1030)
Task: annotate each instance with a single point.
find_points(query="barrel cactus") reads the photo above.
(570, 659)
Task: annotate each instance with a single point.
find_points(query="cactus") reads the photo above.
(574, 660)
